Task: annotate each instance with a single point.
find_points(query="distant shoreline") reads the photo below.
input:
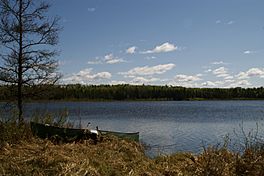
(129, 100)
(97, 93)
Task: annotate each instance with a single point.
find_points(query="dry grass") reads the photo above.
(31, 156)
(41, 157)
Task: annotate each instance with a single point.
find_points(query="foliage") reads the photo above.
(59, 119)
(135, 92)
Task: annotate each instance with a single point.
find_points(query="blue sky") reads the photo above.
(205, 43)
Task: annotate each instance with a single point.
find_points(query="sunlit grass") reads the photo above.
(23, 154)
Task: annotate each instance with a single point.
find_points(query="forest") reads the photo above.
(128, 92)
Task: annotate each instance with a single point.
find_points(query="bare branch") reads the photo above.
(23, 29)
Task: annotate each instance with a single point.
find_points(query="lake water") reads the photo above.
(168, 126)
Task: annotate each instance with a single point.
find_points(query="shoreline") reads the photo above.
(23, 154)
(130, 100)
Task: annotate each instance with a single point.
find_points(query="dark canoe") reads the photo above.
(48, 131)
(73, 134)
(130, 136)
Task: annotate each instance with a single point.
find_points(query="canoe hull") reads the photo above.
(66, 134)
(71, 134)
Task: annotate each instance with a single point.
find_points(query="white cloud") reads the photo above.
(242, 75)
(221, 72)
(107, 59)
(96, 61)
(249, 52)
(218, 84)
(219, 63)
(240, 83)
(226, 83)
(209, 84)
(114, 82)
(138, 80)
(165, 47)
(242, 79)
(187, 78)
(131, 50)
(147, 70)
(255, 72)
(230, 22)
(150, 57)
(208, 70)
(91, 9)
(114, 61)
(184, 84)
(229, 77)
(86, 77)
(252, 72)
(111, 59)
(142, 80)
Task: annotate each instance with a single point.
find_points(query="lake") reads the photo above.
(167, 126)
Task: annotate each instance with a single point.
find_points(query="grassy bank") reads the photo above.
(23, 154)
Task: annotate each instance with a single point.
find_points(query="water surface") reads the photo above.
(167, 126)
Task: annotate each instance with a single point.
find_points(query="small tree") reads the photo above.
(27, 36)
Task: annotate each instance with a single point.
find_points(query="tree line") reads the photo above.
(129, 92)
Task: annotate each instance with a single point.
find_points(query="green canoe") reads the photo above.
(73, 134)
(64, 134)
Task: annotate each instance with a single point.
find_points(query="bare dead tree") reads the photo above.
(27, 38)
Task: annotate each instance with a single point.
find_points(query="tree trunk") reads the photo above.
(27, 35)
(20, 58)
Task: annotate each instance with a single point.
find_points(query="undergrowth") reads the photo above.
(23, 154)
